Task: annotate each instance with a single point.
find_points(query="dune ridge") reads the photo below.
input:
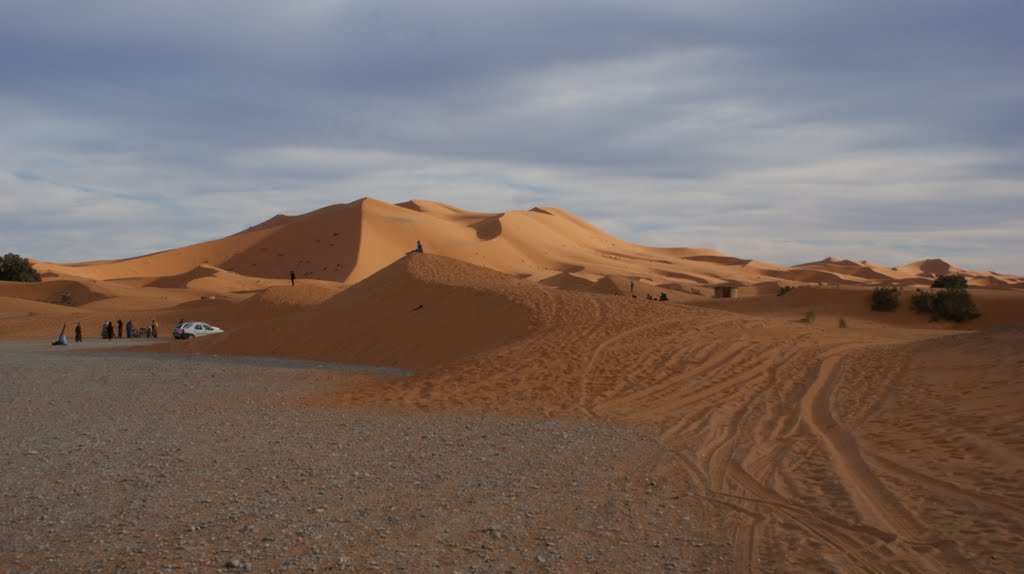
(349, 242)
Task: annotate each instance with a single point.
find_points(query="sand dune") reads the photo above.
(933, 267)
(349, 242)
(420, 311)
(58, 292)
(299, 295)
(182, 280)
(853, 269)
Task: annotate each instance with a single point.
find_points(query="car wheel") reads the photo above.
(190, 336)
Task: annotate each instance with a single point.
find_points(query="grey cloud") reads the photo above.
(687, 106)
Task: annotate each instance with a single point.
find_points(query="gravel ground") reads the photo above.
(151, 463)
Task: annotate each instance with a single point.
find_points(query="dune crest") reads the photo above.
(932, 267)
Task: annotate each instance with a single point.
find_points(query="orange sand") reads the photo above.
(890, 445)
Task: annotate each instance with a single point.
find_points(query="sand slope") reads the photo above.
(71, 293)
(420, 311)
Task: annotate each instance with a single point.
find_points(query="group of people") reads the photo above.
(108, 332)
(129, 329)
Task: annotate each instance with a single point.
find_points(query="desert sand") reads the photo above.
(892, 444)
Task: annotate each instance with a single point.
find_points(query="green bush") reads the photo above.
(16, 268)
(950, 282)
(955, 305)
(842, 323)
(951, 304)
(784, 290)
(885, 298)
(810, 316)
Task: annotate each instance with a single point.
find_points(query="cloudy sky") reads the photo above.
(786, 131)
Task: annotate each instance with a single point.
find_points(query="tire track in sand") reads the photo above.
(873, 501)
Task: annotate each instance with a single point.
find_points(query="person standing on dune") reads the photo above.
(78, 332)
(293, 278)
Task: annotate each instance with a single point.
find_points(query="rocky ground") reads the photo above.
(142, 463)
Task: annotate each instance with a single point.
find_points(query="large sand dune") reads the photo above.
(349, 242)
(889, 445)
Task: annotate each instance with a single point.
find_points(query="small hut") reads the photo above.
(727, 291)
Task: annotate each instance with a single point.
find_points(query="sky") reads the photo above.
(786, 131)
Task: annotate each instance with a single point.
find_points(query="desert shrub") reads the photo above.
(951, 304)
(14, 267)
(784, 290)
(921, 301)
(885, 298)
(810, 316)
(663, 297)
(955, 305)
(842, 322)
(950, 282)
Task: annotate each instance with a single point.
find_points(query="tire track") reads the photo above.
(871, 498)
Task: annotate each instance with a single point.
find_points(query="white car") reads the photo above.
(195, 329)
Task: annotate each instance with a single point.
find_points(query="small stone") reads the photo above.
(233, 563)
